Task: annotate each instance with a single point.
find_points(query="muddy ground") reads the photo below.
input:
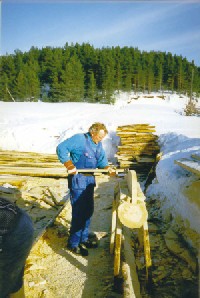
(54, 272)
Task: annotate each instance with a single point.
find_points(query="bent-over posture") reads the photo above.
(82, 151)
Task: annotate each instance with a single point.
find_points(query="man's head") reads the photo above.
(98, 131)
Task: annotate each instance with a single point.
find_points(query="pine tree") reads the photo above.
(92, 88)
(73, 81)
(81, 72)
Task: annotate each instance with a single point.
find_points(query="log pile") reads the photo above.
(28, 179)
(37, 165)
(138, 148)
(31, 164)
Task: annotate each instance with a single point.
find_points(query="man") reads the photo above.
(83, 151)
(16, 238)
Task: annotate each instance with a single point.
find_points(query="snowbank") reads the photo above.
(175, 187)
(39, 127)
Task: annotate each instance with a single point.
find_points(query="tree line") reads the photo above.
(77, 72)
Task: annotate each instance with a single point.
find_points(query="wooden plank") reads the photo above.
(144, 125)
(33, 172)
(118, 234)
(148, 262)
(131, 179)
(189, 165)
(134, 145)
(114, 218)
(133, 286)
(14, 180)
(51, 221)
(27, 156)
(47, 172)
(113, 226)
(118, 240)
(133, 133)
(135, 125)
(196, 156)
(20, 163)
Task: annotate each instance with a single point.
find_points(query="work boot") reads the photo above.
(76, 250)
(90, 243)
(83, 250)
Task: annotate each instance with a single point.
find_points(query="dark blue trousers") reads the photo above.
(82, 201)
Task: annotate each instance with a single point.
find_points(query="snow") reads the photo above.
(40, 127)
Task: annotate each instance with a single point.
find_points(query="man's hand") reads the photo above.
(71, 169)
(111, 171)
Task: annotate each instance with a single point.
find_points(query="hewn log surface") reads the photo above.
(130, 219)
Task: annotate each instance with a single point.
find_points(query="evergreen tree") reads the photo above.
(73, 81)
(4, 92)
(92, 93)
(81, 72)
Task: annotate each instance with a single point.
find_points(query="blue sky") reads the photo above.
(168, 26)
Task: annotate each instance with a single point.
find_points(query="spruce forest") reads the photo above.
(77, 73)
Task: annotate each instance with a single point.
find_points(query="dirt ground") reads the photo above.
(54, 272)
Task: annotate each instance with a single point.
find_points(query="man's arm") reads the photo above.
(71, 149)
(69, 152)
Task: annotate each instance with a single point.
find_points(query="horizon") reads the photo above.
(29, 24)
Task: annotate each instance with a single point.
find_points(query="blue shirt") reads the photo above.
(73, 148)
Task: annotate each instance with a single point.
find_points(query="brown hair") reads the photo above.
(96, 127)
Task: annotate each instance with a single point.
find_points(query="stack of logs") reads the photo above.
(28, 179)
(138, 148)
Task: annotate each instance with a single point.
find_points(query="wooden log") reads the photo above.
(132, 215)
(34, 172)
(143, 235)
(138, 144)
(148, 262)
(51, 221)
(131, 126)
(115, 204)
(145, 129)
(138, 151)
(196, 156)
(113, 226)
(132, 289)
(134, 133)
(131, 179)
(130, 159)
(136, 137)
(26, 155)
(48, 201)
(47, 172)
(19, 163)
(118, 240)
(138, 148)
(189, 165)
(31, 160)
(13, 180)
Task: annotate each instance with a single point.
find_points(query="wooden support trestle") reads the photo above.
(133, 198)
